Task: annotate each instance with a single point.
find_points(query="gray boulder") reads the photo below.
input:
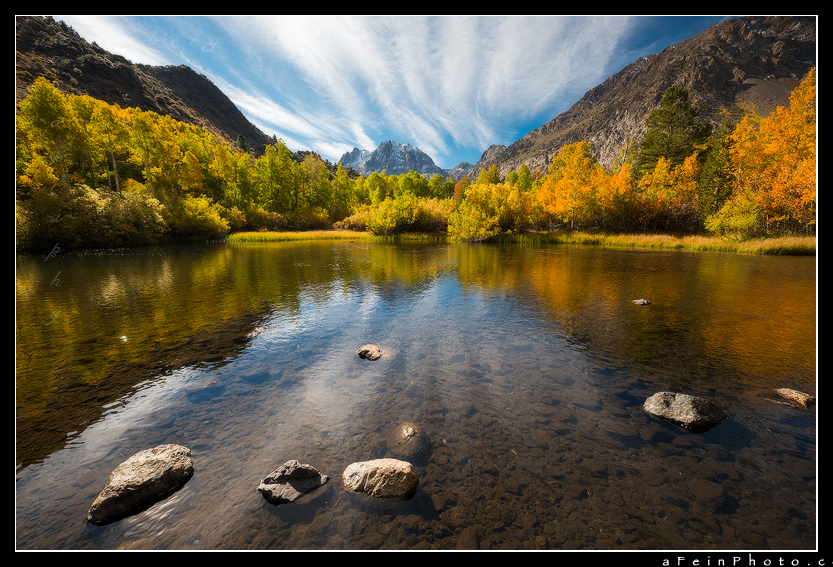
(381, 478)
(142, 480)
(290, 481)
(689, 412)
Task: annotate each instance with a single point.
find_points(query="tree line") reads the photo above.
(755, 177)
(93, 174)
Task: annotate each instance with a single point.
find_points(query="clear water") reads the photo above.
(526, 366)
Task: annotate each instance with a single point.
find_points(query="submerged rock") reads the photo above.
(411, 444)
(141, 480)
(799, 398)
(381, 478)
(290, 481)
(369, 352)
(688, 412)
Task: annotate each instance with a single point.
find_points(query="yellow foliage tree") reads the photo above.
(567, 194)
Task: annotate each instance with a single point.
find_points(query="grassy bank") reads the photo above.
(780, 245)
(783, 245)
(331, 235)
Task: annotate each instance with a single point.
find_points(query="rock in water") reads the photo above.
(369, 352)
(410, 444)
(141, 480)
(641, 302)
(381, 478)
(290, 481)
(688, 412)
(799, 398)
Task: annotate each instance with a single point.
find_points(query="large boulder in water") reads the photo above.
(369, 352)
(141, 480)
(381, 478)
(689, 412)
(290, 481)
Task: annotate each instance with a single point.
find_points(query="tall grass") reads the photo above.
(783, 245)
(779, 245)
(332, 235)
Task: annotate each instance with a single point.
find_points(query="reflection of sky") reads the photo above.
(298, 390)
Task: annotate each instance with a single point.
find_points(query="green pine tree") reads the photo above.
(675, 131)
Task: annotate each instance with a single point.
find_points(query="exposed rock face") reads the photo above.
(799, 398)
(381, 478)
(52, 49)
(688, 412)
(755, 59)
(141, 480)
(459, 170)
(369, 352)
(393, 158)
(290, 481)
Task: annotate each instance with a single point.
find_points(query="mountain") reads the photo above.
(54, 50)
(740, 61)
(393, 158)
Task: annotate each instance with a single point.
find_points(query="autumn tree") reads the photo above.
(110, 134)
(524, 177)
(566, 193)
(47, 126)
(489, 175)
(774, 169)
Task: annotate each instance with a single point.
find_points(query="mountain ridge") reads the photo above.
(54, 50)
(740, 61)
(757, 60)
(395, 159)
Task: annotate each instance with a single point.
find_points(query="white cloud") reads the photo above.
(440, 83)
(117, 35)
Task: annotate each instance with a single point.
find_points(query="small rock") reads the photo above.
(255, 332)
(141, 480)
(369, 352)
(688, 412)
(641, 302)
(799, 398)
(290, 481)
(381, 478)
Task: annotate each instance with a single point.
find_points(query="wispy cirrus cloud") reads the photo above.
(451, 85)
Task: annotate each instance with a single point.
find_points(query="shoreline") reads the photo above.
(776, 245)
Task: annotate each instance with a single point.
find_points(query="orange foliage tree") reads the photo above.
(774, 166)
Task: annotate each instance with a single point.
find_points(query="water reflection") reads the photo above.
(526, 366)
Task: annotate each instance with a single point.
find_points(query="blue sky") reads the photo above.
(449, 85)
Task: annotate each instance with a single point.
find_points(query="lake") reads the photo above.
(526, 366)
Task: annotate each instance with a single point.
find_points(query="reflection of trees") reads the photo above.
(181, 307)
(708, 309)
(188, 306)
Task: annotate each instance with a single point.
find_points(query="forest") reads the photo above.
(90, 174)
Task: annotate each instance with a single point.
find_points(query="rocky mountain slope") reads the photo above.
(757, 60)
(51, 49)
(750, 60)
(393, 158)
